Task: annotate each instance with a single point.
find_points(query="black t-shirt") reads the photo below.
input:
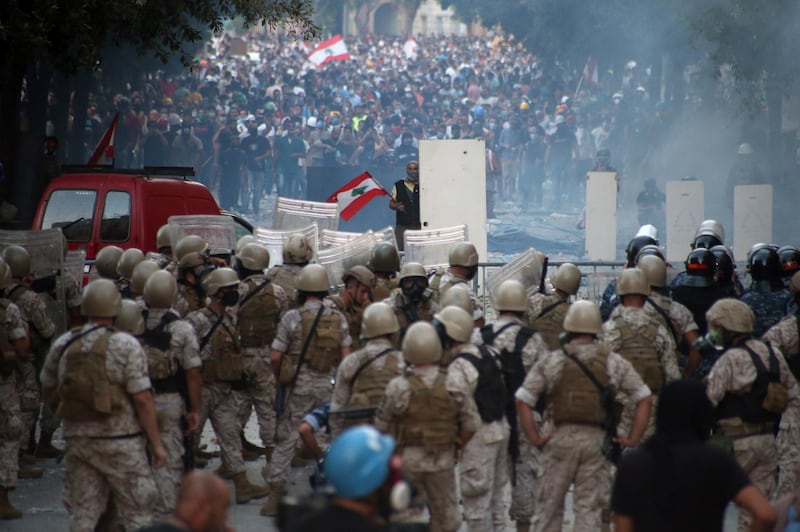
(705, 481)
(336, 519)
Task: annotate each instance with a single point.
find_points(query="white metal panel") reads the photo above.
(453, 187)
(752, 217)
(685, 212)
(601, 215)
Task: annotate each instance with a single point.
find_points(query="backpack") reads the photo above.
(491, 395)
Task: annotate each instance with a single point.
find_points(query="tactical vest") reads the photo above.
(638, 348)
(369, 383)
(354, 317)
(161, 365)
(8, 356)
(324, 350)
(259, 314)
(432, 416)
(189, 293)
(408, 313)
(575, 399)
(491, 396)
(383, 289)
(439, 288)
(662, 315)
(288, 282)
(84, 390)
(410, 217)
(550, 321)
(225, 363)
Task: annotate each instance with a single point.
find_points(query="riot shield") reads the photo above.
(329, 238)
(298, 214)
(525, 268)
(217, 230)
(273, 240)
(431, 247)
(46, 248)
(339, 259)
(74, 263)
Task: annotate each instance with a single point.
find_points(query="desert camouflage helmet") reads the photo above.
(412, 269)
(732, 315)
(463, 254)
(130, 319)
(190, 251)
(567, 278)
(161, 290)
(106, 261)
(164, 237)
(101, 299)
(632, 281)
(511, 296)
(362, 274)
(459, 296)
(18, 260)
(218, 279)
(655, 269)
(313, 278)
(141, 272)
(128, 261)
(243, 241)
(253, 256)
(458, 323)
(583, 317)
(379, 319)
(384, 258)
(421, 344)
(297, 250)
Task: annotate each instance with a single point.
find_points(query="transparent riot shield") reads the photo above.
(386, 235)
(525, 268)
(431, 247)
(339, 259)
(273, 240)
(298, 214)
(46, 248)
(217, 230)
(329, 238)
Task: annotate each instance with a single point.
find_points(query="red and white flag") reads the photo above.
(103, 154)
(590, 72)
(354, 195)
(333, 49)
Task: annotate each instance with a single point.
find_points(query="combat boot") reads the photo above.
(271, 505)
(246, 491)
(46, 450)
(27, 471)
(223, 471)
(249, 446)
(7, 510)
(523, 526)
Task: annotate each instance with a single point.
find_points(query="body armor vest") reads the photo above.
(550, 321)
(354, 316)
(575, 399)
(84, 390)
(8, 356)
(432, 416)
(383, 288)
(324, 350)
(288, 282)
(259, 314)
(408, 313)
(225, 363)
(370, 381)
(161, 365)
(638, 348)
(661, 313)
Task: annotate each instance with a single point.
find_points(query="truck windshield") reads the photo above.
(73, 211)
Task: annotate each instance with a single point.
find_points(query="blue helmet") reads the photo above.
(357, 462)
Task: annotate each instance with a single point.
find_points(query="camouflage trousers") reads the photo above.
(483, 475)
(572, 456)
(626, 420)
(526, 469)
(169, 409)
(788, 448)
(310, 391)
(29, 399)
(260, 393)
(99, 468)
(219, 406)
(438, 490)
(756, 455)
(10, 427)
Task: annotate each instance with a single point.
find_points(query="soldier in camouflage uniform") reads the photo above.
(297, 252)
(261, 305)
(98, 378)
(174, 364)
(191, 252)
(483, 468)
(363, 376)
(609, 299)
(430, 416)
(572, 450)
(127, 262)
(463, 259)
(546, 311)
(319, 335)
(40, 332)
(223, 370)
(785, 337)
(522, 347)
(738, 389)
(766, 295)
(642, 340)
(674, 316)
(384, 263)
(359, 282)
(411, 301)
(14, 346)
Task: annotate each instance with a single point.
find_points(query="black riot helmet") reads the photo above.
(725, 262)
(635, 245)
(789, 257)
(763, 263)
(701, 267)
(649, 249)
(706, 242)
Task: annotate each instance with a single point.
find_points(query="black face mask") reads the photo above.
(414, 292)
(229, 299)
(473, 270)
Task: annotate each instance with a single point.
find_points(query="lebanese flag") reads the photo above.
(104, 151)
(333, 49)
(590, 72)
(354, 195)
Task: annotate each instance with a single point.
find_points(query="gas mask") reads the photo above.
(230, 298)
(712, 344)
(416, 291)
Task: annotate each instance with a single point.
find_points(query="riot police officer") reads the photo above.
(766, 295)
